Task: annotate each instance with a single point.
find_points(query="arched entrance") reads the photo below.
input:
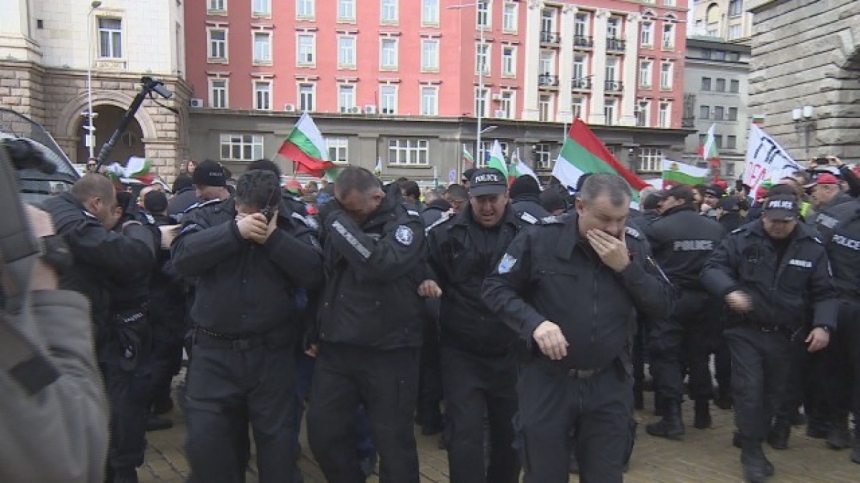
(106, 120)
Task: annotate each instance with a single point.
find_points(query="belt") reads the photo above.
(574, 373)
(582, 373)
(769, 328)
(242, 342)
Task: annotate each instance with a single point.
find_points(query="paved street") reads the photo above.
(703, 456)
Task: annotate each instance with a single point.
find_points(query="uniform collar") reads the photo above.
(569, 236)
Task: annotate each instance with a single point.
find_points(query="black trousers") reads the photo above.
(690, 336)
(476, 386)
(386, 382)
(167, 344)
(761, 364)
(430, 372)
(840, 368)
(597, 409)
(228, 389)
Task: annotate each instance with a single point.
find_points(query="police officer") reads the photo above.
(681, 241)
(826, 194)
(370, 329)
(525, 198)
(85, 217)
(479, 364)
(249, 258)
(210, 183)
(771, 273)
(571, 288)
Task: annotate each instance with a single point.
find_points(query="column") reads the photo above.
(565, 64)
(630, 68)
(531, 45)
(598, 68)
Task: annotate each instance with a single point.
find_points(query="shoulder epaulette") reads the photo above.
(149, 218)
(738, 230)
(818, 240)
(550, 220)
(308, 220)
(442, 219)
(528, 218)
(633, 232)
(412, 213)
(88, 214)
(201, 204)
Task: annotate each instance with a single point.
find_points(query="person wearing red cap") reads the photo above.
(825, 193)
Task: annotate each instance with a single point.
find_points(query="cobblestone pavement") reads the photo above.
(703, 456)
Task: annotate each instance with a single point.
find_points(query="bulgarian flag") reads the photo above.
(519, 168)
(497, 158)
(583, 152)
(136, 171)
(305, 147)
(468, 160)
(709, 151)
(675, 173)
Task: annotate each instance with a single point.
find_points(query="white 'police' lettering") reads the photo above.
(800, 263)
(826, 220)
(693, 246)
(487, 178)
(780, 205)
(846, 242)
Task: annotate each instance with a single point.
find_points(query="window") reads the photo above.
(580, 25)
(706, 83)
(712, 32)
(509, 16)
(388, 54)
(509, 61)
(507, 103)
(579, 71)
(482, 61)
(547, 23)
(306, 97)
(543, 156)
(388, 11)
(664, 115)
(650, 160)
(666, 76)
(429, 55)
(262, 47)
(735, 86)
(430, 12)
(305, 9)
(612, 30)
(217, 5)
(719, 113)
(669, 3)
(241, 147)
(218, 44)
(346, 98)
(545, 108)
(730, 170)
(735, 32)
(481, 102)
(346, 10)
(547, 62)
(704, 112)
(736, 7)
(306, 49)
(409, 152)
(645, 73)
(429, 101)
(731, 142)
(483, 15)
(647, 34)
(706, 53)
(218, 93)
(668, 36)
(609, 110)
(338, 149)
(734, 57)
(643, 114)
(346, 52)
(721, 85)
(110, 38)
(733, 114)
(719, 55)
(611, 68)
(261, 7)
(263, 95)
(577, 107)
(388, 99)
(718, 140)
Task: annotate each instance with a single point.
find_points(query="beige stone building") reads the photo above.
(46, 48)
(723, 19)
(807, 54)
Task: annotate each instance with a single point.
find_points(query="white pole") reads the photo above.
(91, 130)
(480, 113)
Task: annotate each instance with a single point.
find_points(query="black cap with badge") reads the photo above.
(781, 208)
(487, 181)
(209, 173)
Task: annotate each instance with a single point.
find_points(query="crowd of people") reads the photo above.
(515, 321)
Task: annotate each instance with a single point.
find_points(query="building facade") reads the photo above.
(46, 49)
(716, 93)
(805, 76)
(728, 20)
(410, 82)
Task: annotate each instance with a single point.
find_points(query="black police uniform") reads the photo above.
(787, 280)
(551, 273)
(681, 241)
(479, 363)
(246, 328)
(370, 332)
(528, 207)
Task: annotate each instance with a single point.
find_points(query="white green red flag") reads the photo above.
(675, 173)
(136, 171)
(497, 158)
(519, 168)
(709, 150)
(305, 147)
(468, 160)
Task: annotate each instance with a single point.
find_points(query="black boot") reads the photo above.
(659, 405)
(755, 464)
(778, 435)
(671, 426)
(724, 399)
(703, 414)
(838, 436)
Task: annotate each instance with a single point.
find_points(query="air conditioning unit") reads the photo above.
(370, 109)
(196, 103)
(501, 113)
(354, 110)
(497, 97)
(290, 107)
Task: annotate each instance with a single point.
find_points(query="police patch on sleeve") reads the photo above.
(506, 264)
(404, 235)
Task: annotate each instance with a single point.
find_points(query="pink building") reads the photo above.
(402, 80)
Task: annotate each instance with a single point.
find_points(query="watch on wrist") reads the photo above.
(55, 253)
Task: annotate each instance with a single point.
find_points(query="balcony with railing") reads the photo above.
(581, 83)
(613, 86)
(583, 42)
(547, 80)
(550, 37)
(615, 45)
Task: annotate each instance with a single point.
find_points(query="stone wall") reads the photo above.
(808, 53)
(21, 88)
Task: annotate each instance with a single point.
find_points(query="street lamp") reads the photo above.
(91, 130)
(480, 112)
(803, 123)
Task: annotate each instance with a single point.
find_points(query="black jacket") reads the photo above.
(372, 276)
(681, 241)
(460, 268)
(181, 201)
(243, 287)
(825, 218)
(731, 221)
(529, 203)
(843, 249)
(782, 295)
(167, 291)
(550, 273)
(99, 255)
